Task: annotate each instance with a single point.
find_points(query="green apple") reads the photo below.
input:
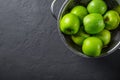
(70, 24)
(97, 6)
(79, 37)
(111, 19)
(92, 46)
(80, 11)
(93, 23)
(117, 9)
(105, 36)
(119, 19)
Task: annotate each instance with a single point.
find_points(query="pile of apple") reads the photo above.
(90, 27)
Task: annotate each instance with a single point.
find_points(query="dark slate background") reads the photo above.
(31, 48)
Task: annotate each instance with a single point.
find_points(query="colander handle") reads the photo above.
(52, 8)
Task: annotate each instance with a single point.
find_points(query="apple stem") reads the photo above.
(106, 19)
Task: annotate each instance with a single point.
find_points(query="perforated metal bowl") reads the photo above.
(66, 7)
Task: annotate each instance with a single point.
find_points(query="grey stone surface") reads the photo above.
(31, 48)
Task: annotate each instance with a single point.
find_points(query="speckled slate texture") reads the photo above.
(31, 48)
